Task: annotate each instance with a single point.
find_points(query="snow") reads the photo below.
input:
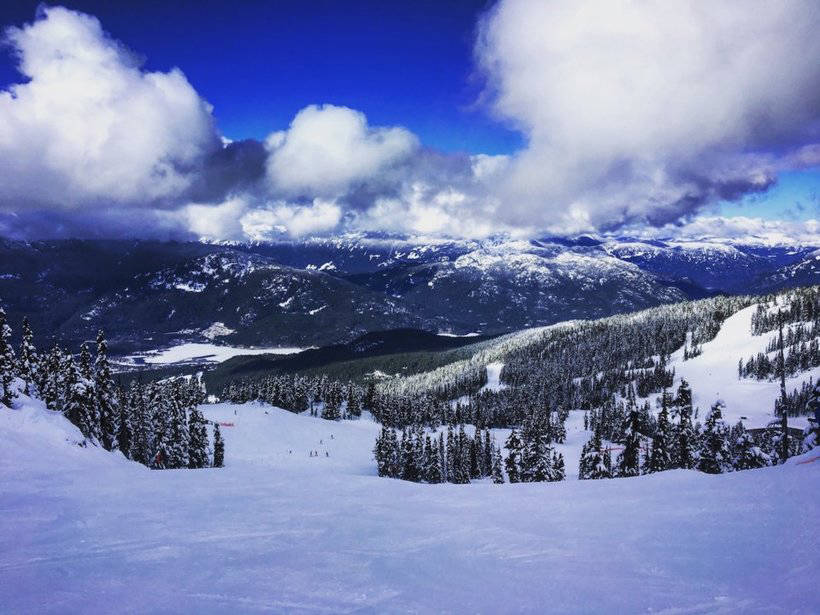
(190, 287)
(82, 530)
(217, 329)
(713, 374)
(212, 353)
(494, 377)
(471, 334)
(317, 310)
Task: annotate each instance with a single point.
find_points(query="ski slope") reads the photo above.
(82, 530)
(713, 374)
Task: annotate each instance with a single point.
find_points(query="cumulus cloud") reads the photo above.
(283, 218)
(644, 111)
(328, 148)
(89, 125)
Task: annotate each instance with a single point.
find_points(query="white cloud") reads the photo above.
(212, 222)
(431, 210)
(646, 110)
(281, 218)
(328, 148)
(89, 125)
(741, 229)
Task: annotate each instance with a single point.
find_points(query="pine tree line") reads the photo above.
(799, 305)
(800, 357)
(674, 440)
(157, 424)
(420, 456)
(330, 399)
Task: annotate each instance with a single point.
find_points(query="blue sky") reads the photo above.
(795, 196)
(258, 63)
(613, 138)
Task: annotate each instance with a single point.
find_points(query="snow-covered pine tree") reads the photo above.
(51, 379)
(559, 471)
(685, 449)
(462, 472)
(142, 449)
(29, 359)
(197, 440)
(497, 472)
(125, 425)
(442, 457)
(79, 406)
(715, 457)
(219, 448)
(409, 471)
(513, 461)
(381, 453)
(660, 458)
(474, 447)
(332, 409)
(536, 458)
(105, 396)
(487, 454)
(354, 406)
(7, 366)
(594, 463)
(179, 438)
(747, 454)
(629, 461)
(432, 471)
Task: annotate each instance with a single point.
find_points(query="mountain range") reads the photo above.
(320, 291)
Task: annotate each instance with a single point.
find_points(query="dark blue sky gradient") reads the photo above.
(258, 63)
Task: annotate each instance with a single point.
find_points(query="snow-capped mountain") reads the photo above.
(327, 290)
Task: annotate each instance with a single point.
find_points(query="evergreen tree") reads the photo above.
(594, 461)
(432, 471)
(142, 449)
(629, 461)
(105, 396)
(536, 459)
(497, 472)
(125, 433)
(684, 452)
(382, 452)
(6, 361)
(660, 458)
(179, 440)
(29, 360)
(715, 457)
(52, 379)
(332, 409)
(79, 407)
(462, 457)
(197, 440)
(442, 457)
(487, 457)
(354, 407)
(219, 448)
(559, 471)
(513, 461)
(748, 455)
(474, 447)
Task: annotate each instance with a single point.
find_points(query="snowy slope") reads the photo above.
(86, 531)
(713, 374)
